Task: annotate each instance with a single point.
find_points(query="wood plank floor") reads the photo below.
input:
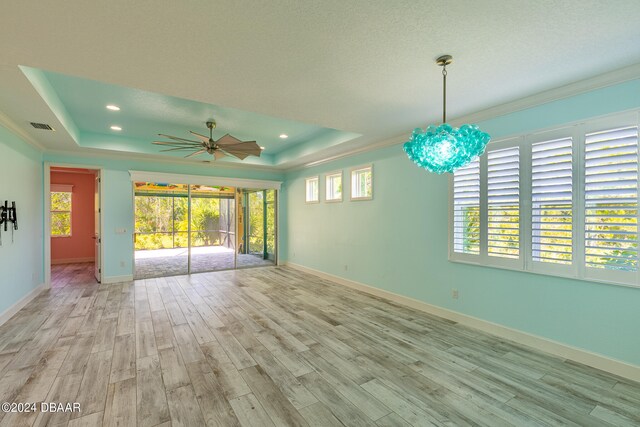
(273, 347)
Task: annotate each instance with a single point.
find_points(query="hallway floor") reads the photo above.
(77, 273)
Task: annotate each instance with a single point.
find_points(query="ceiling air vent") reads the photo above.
(42, 126)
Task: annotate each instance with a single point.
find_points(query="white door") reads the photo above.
(97, 238)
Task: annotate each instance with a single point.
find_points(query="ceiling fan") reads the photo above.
(225, 146)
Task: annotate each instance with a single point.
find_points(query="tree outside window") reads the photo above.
(61, 213)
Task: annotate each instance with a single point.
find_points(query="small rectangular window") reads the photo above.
(503, 203)
(333, 186)
(466, 209)
(611, 199)
(61, 213)
(362, 183)
(311, 187)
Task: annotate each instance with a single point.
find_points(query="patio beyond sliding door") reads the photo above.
(182, 229)
(213, 236)
(161, 243)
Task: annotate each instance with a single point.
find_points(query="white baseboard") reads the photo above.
(117, 279)
(9, 312)
(556, 348)
(71, 260)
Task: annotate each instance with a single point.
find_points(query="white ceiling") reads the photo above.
(363, 66)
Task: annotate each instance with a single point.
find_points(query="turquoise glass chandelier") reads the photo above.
(444, 148)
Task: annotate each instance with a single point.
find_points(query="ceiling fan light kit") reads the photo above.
(225, 146)
(444, 148)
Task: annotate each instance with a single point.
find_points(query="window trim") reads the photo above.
(326, 186)
(61, 188)
(356, 169)
(577, 270)
(306, 183)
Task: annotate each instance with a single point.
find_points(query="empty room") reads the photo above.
(330, 213)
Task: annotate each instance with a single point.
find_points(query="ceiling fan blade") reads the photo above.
(204, 150)
(176, 138)
(218, 154)
(202, 137)
(239, 154)
(247, 147)
(228, 140)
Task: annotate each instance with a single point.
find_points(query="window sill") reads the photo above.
(541, 273)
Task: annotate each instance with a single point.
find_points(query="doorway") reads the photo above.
(190, 228)
(74, 225)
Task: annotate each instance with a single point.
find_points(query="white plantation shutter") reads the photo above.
(611, 199)
(466, 209)
(503, 203)
(552, 201)
(560, 202)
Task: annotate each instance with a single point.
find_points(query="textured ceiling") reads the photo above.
(359, 66)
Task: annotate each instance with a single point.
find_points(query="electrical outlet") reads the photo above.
(454, 293)
(345, 267)
(122, 264)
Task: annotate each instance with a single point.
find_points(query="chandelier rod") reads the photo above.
(444, 94)
(443, 61)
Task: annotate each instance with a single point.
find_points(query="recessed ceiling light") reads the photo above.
(113, 108)
(116, 128)
(284, 136)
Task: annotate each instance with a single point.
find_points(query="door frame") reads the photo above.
(47, 214)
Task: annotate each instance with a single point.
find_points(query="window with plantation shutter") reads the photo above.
(561, 202)
(503, 203)
(466, 209)
(552, 201)
(611, 199)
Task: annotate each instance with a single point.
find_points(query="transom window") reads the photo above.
(333, 186)
(519, 206)
(362, 183)
(311, 189)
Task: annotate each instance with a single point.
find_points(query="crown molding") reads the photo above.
(603, 80)
(115, 155)
(611, 78)
(14, 128)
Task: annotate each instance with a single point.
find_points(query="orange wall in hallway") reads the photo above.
(80, 246)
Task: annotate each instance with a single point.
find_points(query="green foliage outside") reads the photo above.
(610, 234)
(618, 224)
(256, 222)
(60, 213)
(471, 218)
(162, 222)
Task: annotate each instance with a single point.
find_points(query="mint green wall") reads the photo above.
(20, 181)
(399, 242)
(117, 202)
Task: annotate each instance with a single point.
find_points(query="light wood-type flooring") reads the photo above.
(274, 346)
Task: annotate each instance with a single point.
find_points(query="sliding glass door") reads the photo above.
(182, 229)
(258, 228)
(212, 229)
